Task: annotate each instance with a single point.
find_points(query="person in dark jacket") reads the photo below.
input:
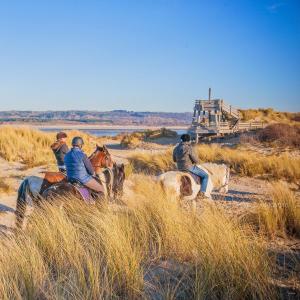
(60, 149)
(186, 160)
(79, 167)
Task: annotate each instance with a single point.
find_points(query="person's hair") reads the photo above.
(185, 137)
(61, 135)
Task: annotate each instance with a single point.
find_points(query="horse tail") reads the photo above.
(23, 192)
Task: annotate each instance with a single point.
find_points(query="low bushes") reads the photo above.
(281, 134)
(135, 138)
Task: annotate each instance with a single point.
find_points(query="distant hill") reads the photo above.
(115, 117)
(124, 117)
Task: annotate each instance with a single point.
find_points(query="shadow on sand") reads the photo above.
(4, 208)
(235, 196)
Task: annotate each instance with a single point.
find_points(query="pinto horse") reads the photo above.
(33, 187)
(186, 185)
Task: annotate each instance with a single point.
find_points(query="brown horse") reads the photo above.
(32, 187)
(112, 180)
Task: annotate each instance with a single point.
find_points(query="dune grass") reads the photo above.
(6, 185)
(136, 138)
(108, 252)
(241, 161)
(269, 115)
(279, 216)
(32, 147)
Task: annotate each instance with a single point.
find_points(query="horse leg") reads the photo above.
(21, 203)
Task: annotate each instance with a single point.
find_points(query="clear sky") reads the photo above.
(156, 55)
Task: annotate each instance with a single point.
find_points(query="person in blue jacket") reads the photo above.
(79, 167)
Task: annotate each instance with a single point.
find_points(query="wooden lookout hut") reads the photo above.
(215, 117)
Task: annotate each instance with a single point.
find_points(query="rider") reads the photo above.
(60, 149)
(79, 167)
(186, 160)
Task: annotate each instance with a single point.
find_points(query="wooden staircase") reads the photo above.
(230, 111)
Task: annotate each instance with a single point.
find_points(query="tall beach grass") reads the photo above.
(108, 252)
(241, 161)
(32, 147)
(279, 215)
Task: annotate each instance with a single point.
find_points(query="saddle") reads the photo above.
(186, 184)
(196, 178)
(88, 195)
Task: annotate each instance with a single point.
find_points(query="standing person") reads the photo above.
(60, 149)
(79, 168)
(186, 160)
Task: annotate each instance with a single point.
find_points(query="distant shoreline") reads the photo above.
(93, 127)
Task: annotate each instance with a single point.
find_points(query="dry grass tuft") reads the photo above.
(6, 185)
(105, 252)
(281, 215)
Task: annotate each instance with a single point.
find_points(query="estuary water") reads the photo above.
(107, 132)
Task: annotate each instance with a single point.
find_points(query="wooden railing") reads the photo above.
(230, 110)
(226, 127)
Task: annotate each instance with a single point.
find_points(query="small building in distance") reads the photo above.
(214, 117)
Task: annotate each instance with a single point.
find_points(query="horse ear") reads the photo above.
(105, 149)
(99, 147)
(122, 167)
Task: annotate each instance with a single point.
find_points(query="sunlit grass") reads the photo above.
(105, 252)
(241, 161)
(280, 215)
(32, 147)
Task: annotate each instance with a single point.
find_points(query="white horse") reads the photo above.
(186, 185)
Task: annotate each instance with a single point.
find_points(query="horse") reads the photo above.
(33, 187)
(186, 185)
(112, 179)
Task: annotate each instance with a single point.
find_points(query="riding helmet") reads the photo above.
(61, 135)
(77, 141)
(185, 137)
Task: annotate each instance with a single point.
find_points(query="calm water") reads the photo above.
(107, 132)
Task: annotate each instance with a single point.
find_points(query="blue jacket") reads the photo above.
(78, 166)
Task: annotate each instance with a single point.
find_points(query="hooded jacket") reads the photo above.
(60, 149)
(184, 156)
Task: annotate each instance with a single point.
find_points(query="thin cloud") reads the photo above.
(275, 6)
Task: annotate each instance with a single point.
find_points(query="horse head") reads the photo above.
(101, 158)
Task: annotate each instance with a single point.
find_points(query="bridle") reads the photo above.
(106, 157)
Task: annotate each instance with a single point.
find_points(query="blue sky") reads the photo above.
(156, 55)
